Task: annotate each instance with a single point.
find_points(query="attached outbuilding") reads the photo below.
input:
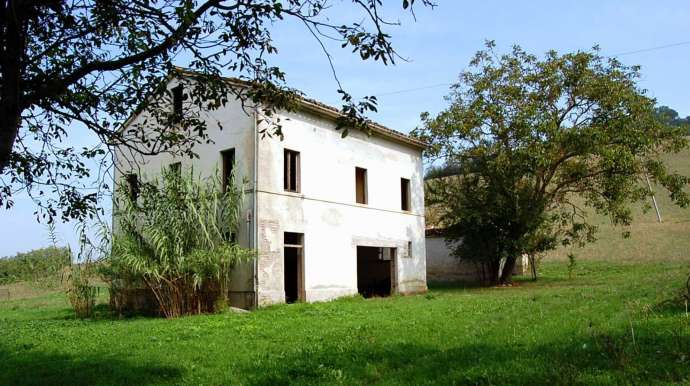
(444, 267)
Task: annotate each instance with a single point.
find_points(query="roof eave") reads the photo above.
(377, 129)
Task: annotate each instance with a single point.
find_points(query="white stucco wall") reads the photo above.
(326, 213)
(441, 266)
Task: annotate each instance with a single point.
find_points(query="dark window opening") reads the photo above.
(291, 171)
(361, 185)
(133, 186)
(293, 255)
(405, 194)
(177, 102)
(176, 168)
(230, 236)
(375, 271)
(227, 166)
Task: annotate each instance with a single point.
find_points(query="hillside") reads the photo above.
(669, 239)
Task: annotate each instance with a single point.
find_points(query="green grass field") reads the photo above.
(616, 319)
(559, 330)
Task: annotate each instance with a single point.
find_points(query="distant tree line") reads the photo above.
(671, 117)
(439, 171)
(34, 265)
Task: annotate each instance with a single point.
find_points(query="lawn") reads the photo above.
(559, 330)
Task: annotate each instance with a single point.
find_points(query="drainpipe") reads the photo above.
(255, 237)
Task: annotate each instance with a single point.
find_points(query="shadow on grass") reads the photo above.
(103, 313)
(450, 285)
(600, 359)
(677, 305)
(28, 366)
(518, 281)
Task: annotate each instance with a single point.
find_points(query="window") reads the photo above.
(230, 236)
(405, 194)
(291, 171)
(176, 168)
(177, 102)
(133, 186)
(361, 185)
(227, 165)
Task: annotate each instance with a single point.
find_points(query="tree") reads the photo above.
(538, 143)
(89, 64)
(671, 117)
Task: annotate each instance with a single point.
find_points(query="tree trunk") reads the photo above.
(8, 134)
(13, 41)
(533, 266)
(507, 273)
(491, 272)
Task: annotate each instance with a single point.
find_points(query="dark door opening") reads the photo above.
(375, 271)
(293, 267)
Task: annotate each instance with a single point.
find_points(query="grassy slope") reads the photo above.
(559, 330)
(669, 239)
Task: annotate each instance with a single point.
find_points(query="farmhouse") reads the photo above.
(328, 216)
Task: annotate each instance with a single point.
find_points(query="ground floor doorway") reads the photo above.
(375, 271)
(293, 267)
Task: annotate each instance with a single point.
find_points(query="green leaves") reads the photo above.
(93, 65)
(176, 236)
(536, 141)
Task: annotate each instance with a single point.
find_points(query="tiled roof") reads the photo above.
(333, 112)
(374, 126)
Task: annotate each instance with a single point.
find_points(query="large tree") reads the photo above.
(69, 65)
(539, 143)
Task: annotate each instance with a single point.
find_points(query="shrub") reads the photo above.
(177, 240)
(81, 294)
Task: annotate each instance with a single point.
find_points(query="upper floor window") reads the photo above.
(176, 168)
(132, 186)
(404, 194)
(361, 185)
(227, 165)
(291, 171)
(177, 102)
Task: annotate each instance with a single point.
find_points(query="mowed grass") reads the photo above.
(559, 330)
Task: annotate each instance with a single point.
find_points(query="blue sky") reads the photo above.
(439, 45)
